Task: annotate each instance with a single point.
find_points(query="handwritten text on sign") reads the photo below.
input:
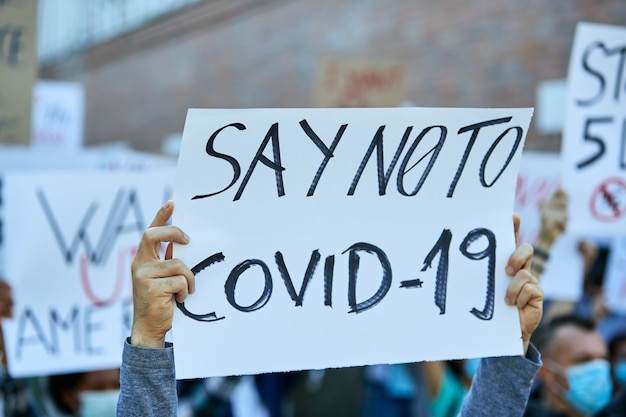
(69, 242)
(337, 237)
(594, 145)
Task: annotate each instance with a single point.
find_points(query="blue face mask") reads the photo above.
(620, 371)
(590, 386)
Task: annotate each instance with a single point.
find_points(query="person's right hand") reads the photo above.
(156, 282)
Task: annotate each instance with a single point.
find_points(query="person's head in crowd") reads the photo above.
(617, 356)
(576, 376)
(92, 393)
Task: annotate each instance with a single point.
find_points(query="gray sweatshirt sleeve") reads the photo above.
(501, 386)
(147, 382)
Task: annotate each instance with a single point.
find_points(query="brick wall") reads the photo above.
(265, 53)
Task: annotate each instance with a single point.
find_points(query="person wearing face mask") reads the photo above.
(85, 394)
(576, 374)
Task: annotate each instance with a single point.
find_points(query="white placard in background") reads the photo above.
(594, 139)
(339, 237)
(69, 240)
(58, 115)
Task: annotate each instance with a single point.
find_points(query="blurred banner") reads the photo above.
(538, 179)
(69, 239)
(594, 139)
(58, 115)
(359, 84)
(18, 68)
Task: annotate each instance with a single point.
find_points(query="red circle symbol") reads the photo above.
(608, 201)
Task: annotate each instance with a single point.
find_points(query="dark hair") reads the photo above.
(57, 384)
(542, 337)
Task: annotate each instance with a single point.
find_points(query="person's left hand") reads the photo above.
(524, 290)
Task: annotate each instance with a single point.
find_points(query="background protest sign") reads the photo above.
(18, 67)
(69, 240)
(339, 237)
(359, 84)
(58, 115)
(594, 137)
(538, 179)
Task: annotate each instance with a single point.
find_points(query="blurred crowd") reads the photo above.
(582, 343)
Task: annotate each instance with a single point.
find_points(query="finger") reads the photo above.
(516, 224)
(521, 279)
(163, 215)
(150, 243)
(520, 259)
(529, 293)
(165, 269)
(175, 285)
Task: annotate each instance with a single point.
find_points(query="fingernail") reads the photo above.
(167, 204)
(185, 237)
(508, 301)
(510, 270)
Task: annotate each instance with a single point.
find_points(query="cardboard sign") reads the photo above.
(340, 237)
(615, 277)
(58, 115)
(359, 84)
(18, 68)
(69, 241)
(594, 139)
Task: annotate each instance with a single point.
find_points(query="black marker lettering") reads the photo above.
(483, 165)
(272, 134)
(284, 273)
(38, 339)
(475, 128)
(595, 139)
(210, 150)
(441, 281)
(329, 269)
(231, 284)
(489, 252)
(353, 270)
(402, 170)
(218, 257)
(383, 177)
(328, 152)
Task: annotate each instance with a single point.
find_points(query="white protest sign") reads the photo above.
(69, 240)
(338, 237)
(58, 115)
(22, 158)
(615, 276)
(538, 179)
(594, 138)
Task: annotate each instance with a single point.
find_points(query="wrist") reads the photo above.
(143, 340)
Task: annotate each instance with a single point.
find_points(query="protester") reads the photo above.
(575, 376)
(85, 394)
(148, 385)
